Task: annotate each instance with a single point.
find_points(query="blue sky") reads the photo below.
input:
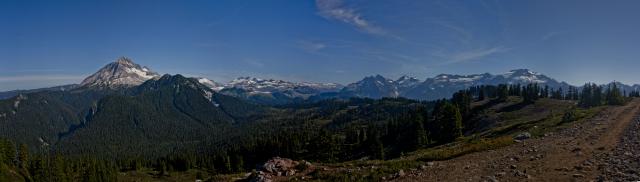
(47, 43)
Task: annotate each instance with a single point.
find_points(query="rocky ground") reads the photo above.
(623, 163)
(280, 169)
(605, 147)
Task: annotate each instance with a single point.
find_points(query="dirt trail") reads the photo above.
(582, 152)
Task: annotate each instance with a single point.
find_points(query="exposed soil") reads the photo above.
(605, 147)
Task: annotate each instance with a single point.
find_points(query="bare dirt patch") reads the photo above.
(575, 153)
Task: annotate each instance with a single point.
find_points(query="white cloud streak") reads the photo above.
(311, 46)
(335, 10)
(551, 35)
(475, 54)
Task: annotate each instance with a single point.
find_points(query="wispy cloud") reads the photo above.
(335, 10)
(460, 33)
(475, 54)
(551, 35)
(311, 46)
(257, 63)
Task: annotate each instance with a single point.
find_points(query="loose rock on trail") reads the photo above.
(605, 147)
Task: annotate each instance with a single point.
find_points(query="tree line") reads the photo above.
(325, 131)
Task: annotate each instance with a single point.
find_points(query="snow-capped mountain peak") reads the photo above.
(406, 78)
(273, 85)
(407, 81)
(526, 75)
(521, 72)
(374, 87)
(210, 84)
(121, 73)
(447, 78)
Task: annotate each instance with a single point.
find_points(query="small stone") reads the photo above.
(400, 173)
(514, 166)
(491, 178)
(522, 136)
(290, 172)
(578, 175)
(578, 167)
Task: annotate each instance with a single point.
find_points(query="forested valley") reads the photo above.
(170, 125)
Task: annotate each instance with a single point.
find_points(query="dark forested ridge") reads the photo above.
(174, 123)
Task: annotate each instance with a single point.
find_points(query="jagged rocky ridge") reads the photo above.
(438, 87)
(441, 86)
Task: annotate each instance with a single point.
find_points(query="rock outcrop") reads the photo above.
(278, 167)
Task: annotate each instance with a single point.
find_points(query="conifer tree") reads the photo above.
(419, 133)
(545, 92)
(614, 97)
(23, 156)
(462, 99)
(376, 147)
(481, 94)
(58, 171)
(239, 163)
(2, 151)
(37, 169)
(448, 123)
(503, 92)
(227, 163)
(9, 152)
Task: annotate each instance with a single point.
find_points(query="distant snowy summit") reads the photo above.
(273, 85)
(124, 73)
(121, 73)
(440, 86)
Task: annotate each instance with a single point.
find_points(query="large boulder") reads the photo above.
(278, 167)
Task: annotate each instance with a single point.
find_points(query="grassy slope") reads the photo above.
(10, 174)
(506, 120)
(500, 122)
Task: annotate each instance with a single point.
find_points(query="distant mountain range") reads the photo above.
(441, 86)
(124, 73)
(162, 114)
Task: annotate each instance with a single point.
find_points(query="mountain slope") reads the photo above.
(373, 87)
(13, 93)
(156, 118)
(121, 73)
(39, 118)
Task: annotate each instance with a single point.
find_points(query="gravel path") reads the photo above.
(623, 163)
(605, 147)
